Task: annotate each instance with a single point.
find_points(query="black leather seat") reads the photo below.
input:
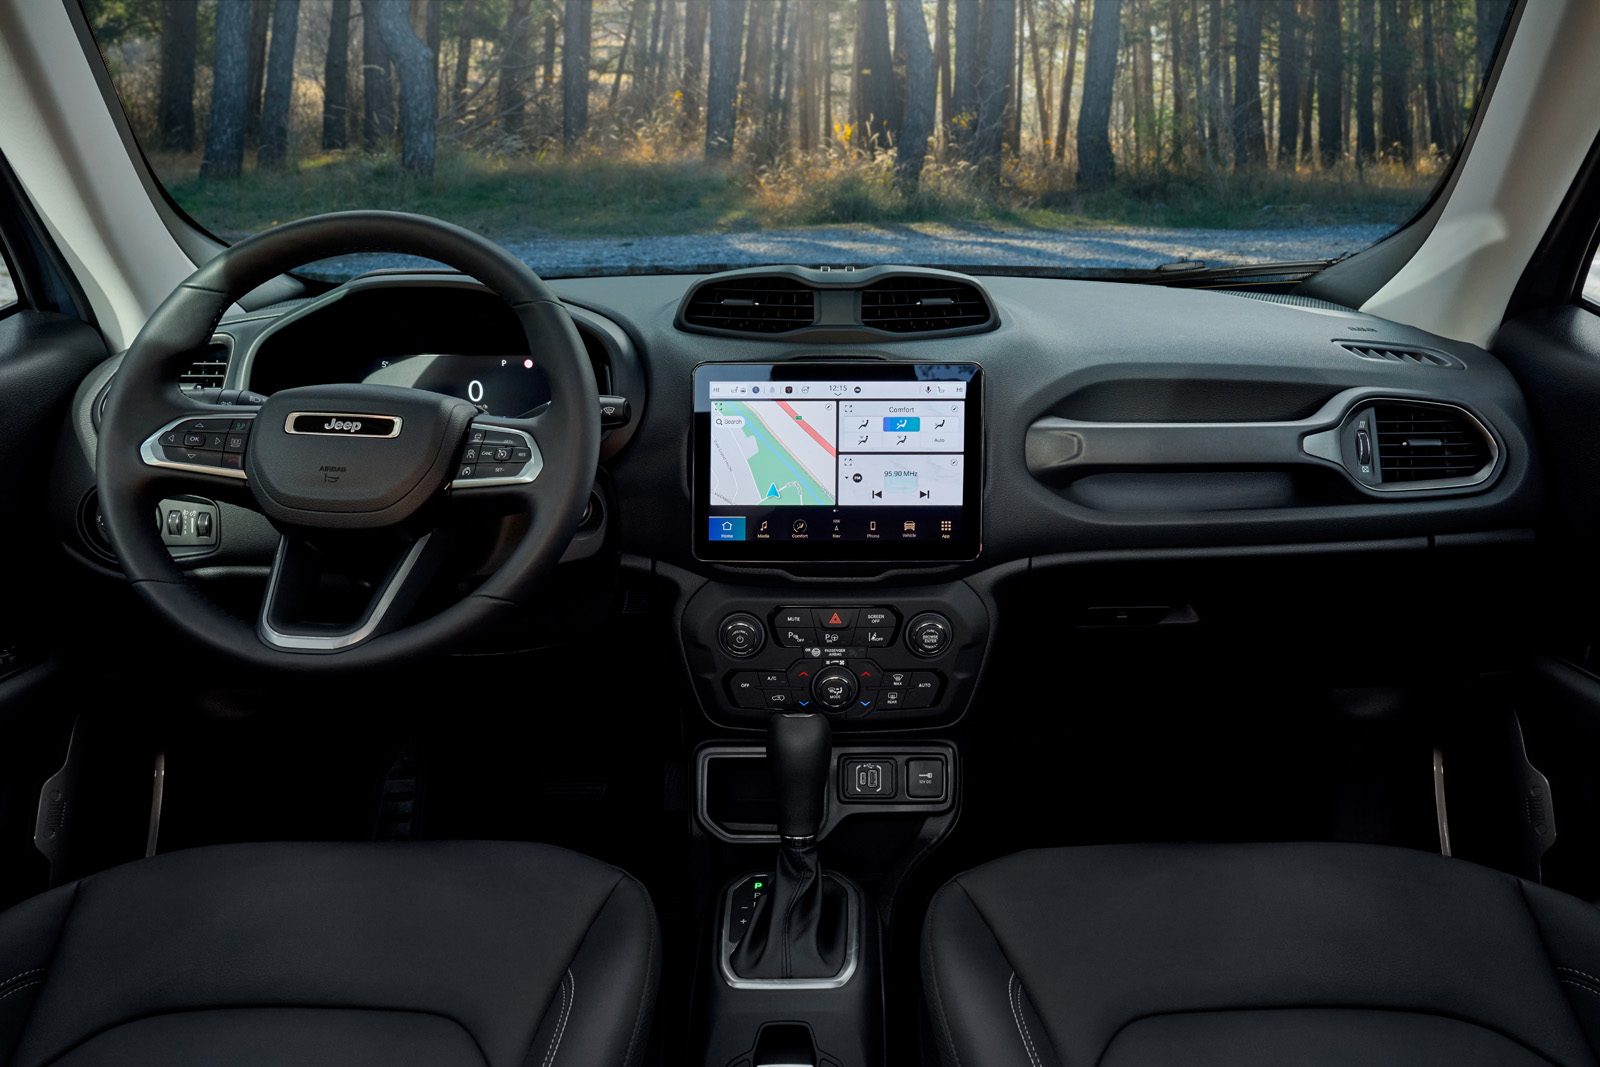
(431, 953)
(1312, 955)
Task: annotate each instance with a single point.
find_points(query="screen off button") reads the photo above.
(726, 528)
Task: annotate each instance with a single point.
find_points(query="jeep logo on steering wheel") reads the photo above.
(342, 424)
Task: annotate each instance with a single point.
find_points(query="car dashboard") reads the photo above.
(1087, 421)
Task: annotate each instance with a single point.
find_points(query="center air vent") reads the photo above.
(1416, 357)
(208, 369)
(919, 305)
(752, 305)
(1430, 443)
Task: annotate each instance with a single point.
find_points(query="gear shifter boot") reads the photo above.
(798, 929)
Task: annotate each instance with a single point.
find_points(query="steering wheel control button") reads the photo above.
(835, 688)
(868, 779)
(741, 635)
(232, 461)
(497, 455)
(928, 635)
(194, 440)
(925, 779)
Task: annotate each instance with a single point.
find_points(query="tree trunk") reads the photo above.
(1041, 94)
(1491, 17)
(1366, 36)
(1396, 66)
(1330, 106)
(224, 155)
(622, 56)
(652, 56)
(968, 63)
(694, 43)
(458, 84)
(1096, 166)
(419, 91)
(1430, 81)
(1289, 73)
(920, 89)
(260, 21)
(336, 80)
(994, 83)
(941, 60)
(1249, 134)
(1216, 78)
(575, 71)
(175, 110)
(377, 88)
(753, 78)
(1148, 132)
(874, 73)
(1068, 72)
(726, 18)
(510, 100)
(1180, 102)
(279, 90)
(434, 27)
(547, 59)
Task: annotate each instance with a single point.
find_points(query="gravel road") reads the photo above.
(965, 246)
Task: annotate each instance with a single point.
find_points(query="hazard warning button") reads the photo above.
(836, 618)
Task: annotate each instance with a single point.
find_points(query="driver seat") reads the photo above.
(262, 955)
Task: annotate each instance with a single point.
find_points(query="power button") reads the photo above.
(741, 635)
(928, 635)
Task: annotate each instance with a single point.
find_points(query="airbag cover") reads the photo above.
(315, 457)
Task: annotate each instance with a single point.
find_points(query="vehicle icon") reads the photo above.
(910, 526)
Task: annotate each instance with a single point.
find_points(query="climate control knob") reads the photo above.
(834, 688)
(929, 635)
(741, 635)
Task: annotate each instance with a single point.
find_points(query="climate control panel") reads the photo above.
(909, 657)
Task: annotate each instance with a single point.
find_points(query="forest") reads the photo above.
(659, 116)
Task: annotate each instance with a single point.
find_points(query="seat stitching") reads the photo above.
(1585, 986)
(24, 974)
(561, 1020)
(645, 999)
(20, 988)
(1022, 1027)
(1583, 974)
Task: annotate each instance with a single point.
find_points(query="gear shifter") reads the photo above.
(798, 929)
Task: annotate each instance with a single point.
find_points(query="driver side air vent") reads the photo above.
(919, 305)
(1416, 357)
(1427, 442)
(752, 305)
(208, 369)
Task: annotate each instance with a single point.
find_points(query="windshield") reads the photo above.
(613, 136)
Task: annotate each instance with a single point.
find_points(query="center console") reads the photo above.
(889, 659)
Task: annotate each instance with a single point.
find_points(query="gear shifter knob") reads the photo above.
(799, 749)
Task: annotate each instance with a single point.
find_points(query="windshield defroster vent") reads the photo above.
(1428, 442)
(919, 305)
(752, 305)
(1416, 357)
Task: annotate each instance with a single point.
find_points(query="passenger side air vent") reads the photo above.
(1417, 357)
(752, 305)
(208, 370)
(1429, 443)
(921, 305)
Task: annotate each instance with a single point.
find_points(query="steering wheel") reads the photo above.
(358, 479)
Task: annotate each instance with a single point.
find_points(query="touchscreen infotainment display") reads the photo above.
(838, 461)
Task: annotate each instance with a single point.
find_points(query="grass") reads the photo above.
(639, 194)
